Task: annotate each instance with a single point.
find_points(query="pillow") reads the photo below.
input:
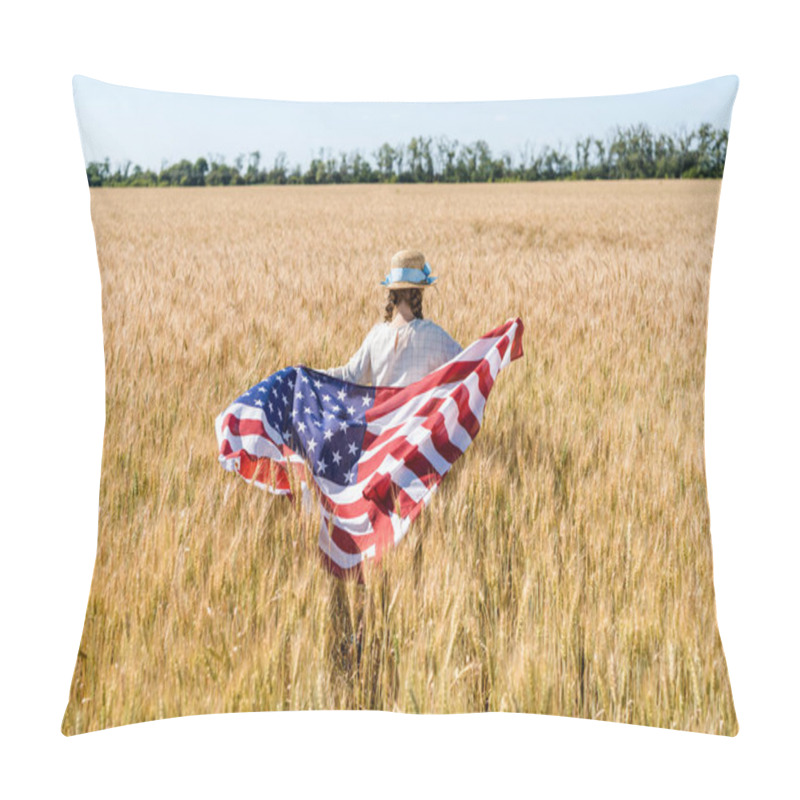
(404, 407)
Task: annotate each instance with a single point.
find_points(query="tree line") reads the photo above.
(632, 152)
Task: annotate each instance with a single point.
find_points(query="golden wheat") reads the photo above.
(563, 567)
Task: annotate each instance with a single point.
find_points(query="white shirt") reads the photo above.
(398, 355)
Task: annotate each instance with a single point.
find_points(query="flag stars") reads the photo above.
(317, 419)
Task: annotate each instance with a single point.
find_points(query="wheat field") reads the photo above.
(564, 565)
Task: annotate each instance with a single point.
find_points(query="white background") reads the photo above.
(53, 385)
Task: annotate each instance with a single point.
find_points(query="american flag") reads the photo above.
(372, 455)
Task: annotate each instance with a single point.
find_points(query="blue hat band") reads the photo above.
(409, 275)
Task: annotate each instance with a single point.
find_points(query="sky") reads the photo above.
(150, 128)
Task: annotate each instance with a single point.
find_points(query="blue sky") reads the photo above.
(148, 127)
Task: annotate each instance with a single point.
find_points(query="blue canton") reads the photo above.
(317, 416)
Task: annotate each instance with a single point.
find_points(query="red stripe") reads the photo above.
(349, 510)
(485, 380)
(384, 393)
(251, 427)
(244, 427)
(501, 329)
(466, 417)
(382, 489)
(347, 543)
(516, 347)
(372, 439)
(441, 439)
(502, 346)
(417, 462)
(407, 506)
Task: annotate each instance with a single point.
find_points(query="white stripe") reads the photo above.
(402, 524)
(457, 435)
(336, 554)
(229, 463)
(507, 355)
(357, 526)
(402, 476)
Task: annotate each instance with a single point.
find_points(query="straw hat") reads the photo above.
(409, 270)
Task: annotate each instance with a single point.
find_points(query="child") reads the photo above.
(406, 347)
